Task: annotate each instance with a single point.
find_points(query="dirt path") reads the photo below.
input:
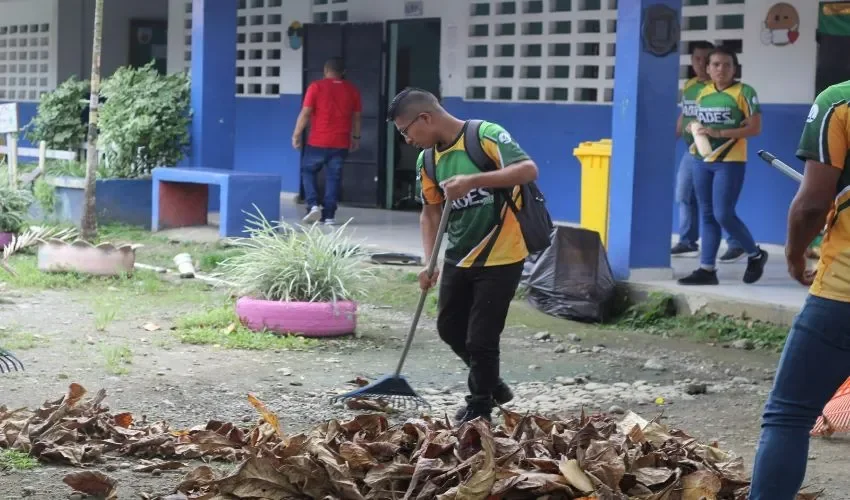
(554, 369)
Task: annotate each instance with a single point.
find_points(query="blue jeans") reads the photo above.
(814, 364)
(688, 207)
(718, 186)
(312, 162)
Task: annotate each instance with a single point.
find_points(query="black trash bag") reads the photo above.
(572, 278)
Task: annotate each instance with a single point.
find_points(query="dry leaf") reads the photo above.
(92, 483)
(366, 458)
(575, 476)
(151, 327)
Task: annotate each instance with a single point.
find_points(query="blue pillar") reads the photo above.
(644, 142)
(213, 83)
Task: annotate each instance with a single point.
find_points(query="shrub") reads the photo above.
(144, 120)
(59, 118)
(14, 205)
(304, 264)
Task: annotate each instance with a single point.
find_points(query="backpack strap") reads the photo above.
(474, 149)
(428, 163)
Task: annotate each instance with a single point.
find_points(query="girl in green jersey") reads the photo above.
(727, 114)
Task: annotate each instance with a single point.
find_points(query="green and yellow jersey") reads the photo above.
(726, 109)
(480, 233)
(826, 139)
(690, 91)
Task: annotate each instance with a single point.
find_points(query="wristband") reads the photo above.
(355, 137)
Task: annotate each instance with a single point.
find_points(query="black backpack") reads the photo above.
(534, 220)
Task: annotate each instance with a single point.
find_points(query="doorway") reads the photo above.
(833, 41)
(149, 42)
(413, 60)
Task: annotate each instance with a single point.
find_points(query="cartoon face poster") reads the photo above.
(781, 25)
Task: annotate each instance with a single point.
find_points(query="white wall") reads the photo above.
(763, 65)
(781, 74)
(27, 60)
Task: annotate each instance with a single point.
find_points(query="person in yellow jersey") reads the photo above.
(728, 113)
(485, 249)
(687, 245)
(816, 358)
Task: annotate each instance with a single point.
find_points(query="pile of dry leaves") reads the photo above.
(367, 458)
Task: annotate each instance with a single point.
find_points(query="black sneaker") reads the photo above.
(700, 277)
(755, 267)
(501, 395)
(477, 407)
(471, 414)
(685, 250)
(733, 255)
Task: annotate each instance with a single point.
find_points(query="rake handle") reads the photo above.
(432, 264)
(780, 165)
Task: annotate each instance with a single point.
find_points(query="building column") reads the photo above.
(213, 83)
(643, 162)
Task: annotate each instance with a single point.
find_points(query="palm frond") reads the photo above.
(33, 236)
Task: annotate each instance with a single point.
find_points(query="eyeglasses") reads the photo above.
(403, 131)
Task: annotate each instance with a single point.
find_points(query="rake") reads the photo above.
(394, 388)
(8, 362)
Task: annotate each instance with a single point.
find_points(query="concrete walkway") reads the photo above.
(776, 298)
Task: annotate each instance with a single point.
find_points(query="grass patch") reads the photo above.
(210, 259)
(117, 359)
(20, 341)
(16, 460)
(657, 315)
(220, 327)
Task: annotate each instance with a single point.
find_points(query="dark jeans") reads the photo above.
(312, 162)
(473, 307)
(718, 186)
(687, 199)
(814, 364)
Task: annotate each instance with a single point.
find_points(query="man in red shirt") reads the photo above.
(332, 106)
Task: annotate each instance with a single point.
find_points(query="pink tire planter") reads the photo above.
(5, 239)
(309, 319)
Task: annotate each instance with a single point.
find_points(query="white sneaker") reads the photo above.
(330, 222)
(313, 215)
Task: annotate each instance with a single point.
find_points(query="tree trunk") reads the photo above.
(89, 220)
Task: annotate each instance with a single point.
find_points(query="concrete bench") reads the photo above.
(181, 198)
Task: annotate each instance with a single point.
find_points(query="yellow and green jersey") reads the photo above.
(726, 109)
(480, 232)
(690, 92)
(826, 139)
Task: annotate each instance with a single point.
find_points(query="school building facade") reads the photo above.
(544, 69)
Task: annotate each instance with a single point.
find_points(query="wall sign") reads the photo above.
(295, 35)
(413, 8)
(9, 118)
(660, 30)
(781, 25)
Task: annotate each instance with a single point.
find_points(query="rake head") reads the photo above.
(393, 389)
(9, 362)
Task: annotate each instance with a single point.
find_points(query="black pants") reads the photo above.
(473, 306)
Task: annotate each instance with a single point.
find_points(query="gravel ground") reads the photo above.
(711, 392)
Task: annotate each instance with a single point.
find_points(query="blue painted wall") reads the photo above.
(548, 133)
(26, 112)
(264, 138)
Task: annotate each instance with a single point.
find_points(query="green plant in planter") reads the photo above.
(144, 120)
(296, 264)
(59, 118)
(14, 205)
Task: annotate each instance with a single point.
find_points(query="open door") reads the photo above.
(361, 45)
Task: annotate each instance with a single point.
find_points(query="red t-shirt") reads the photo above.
(333, 103)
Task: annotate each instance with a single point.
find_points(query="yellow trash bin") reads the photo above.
(595, 159)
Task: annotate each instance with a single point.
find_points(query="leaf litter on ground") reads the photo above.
(524, 456)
